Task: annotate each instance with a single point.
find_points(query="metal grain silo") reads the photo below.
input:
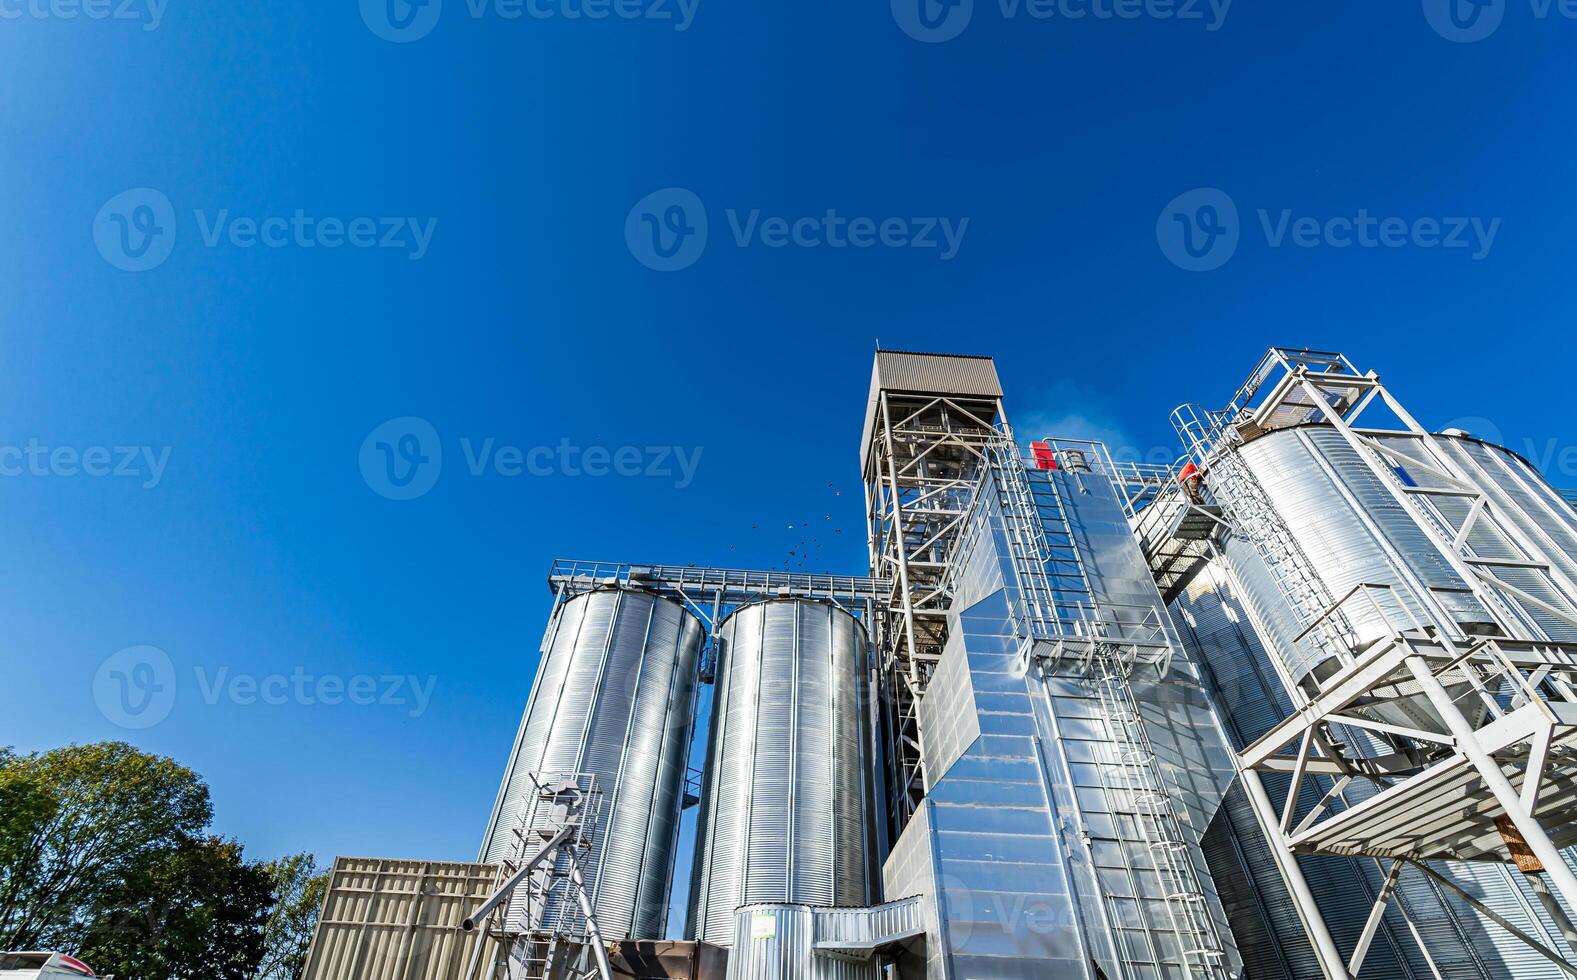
(784, 805)
(615, 698)
(1352, 531)
(1526, 502)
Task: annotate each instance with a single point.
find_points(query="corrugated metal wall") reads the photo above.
(615, 697)
(786, 796)
(783, 942)
(778, 942)
(399, 920)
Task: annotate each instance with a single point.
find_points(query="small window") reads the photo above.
(23, 961)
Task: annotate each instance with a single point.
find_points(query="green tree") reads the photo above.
(299, 885)
(89, 818)
(197, 912)
(25, 805)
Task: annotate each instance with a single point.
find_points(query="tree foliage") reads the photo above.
(196, 912)
(103, 853)
(91, 817)
(299, 885)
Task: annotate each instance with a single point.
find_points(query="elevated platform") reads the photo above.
(732, 585)
(1512, 705)
(1175, 533)
(1447, 811)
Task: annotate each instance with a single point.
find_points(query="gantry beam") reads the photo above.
(929, 421)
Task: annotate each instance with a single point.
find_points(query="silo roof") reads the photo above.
(911, 372)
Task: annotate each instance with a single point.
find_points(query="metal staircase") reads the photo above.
(542, 914)
(1214, 441)
(1175, 528)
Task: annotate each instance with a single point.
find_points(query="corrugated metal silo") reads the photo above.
(1352, 531)
(784, 808)
(1521, 496)
(614, 697)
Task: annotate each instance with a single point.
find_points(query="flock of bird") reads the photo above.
(807, 555)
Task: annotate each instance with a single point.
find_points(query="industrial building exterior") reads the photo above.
(1298, 706)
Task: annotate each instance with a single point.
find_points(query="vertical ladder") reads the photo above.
(1056, 599)
(1136, 777)
(1030, 550)
(545, 902)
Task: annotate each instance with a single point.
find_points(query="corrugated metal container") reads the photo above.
(1534, 509)
(1461, 944)
(1522, 490)
(399, 920)
(785, 801)
(614, 697)
(1352, 530)
(778, 942)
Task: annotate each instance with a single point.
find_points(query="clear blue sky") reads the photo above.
(262, 549)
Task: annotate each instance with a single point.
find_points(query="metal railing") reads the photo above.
(1053, 599)
(734, 583)
(1101, 642)
(1135, 779)
(1214, 442)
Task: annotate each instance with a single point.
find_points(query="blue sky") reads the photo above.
(461, 235)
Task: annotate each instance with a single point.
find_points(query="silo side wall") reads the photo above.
(787, 789)
(614, 697)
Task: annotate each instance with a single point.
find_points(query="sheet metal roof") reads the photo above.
(911, 372)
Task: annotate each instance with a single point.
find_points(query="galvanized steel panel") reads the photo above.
(1349, 525)
(1522, 497)
(383, 919)
(941, 374)
(615, 697)
(784, 805)
(1463, 945)
(778, 942)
